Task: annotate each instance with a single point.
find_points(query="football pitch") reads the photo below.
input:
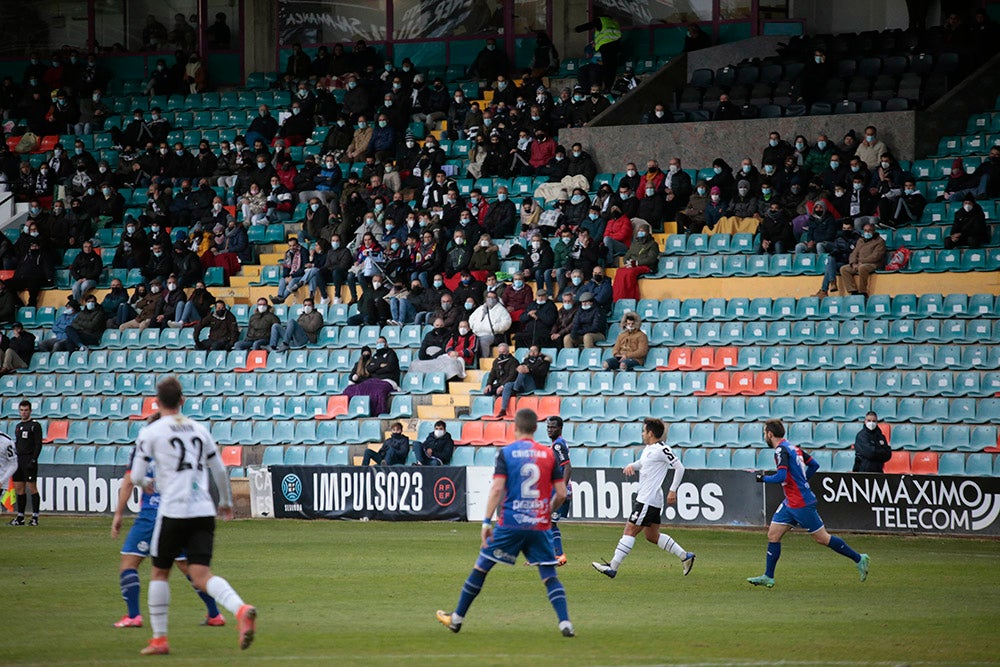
(343, 593)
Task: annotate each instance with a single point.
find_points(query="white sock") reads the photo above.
(667, 544)
(456, 619)
(224, 594)
(623, 549)
(159, 605)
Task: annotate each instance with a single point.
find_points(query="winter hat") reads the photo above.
(743, 183)
(970, 197)
(409, 135)
(957, 164)
(716, 190)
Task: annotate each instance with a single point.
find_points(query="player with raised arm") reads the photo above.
(28, 445)
(184, 453)
(136, 549)
(522, 489)
(656, 459)
(560, 449)
(794, 468)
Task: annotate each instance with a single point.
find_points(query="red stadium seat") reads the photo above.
(715, 383)
(58, 430)
(335, 406)
(764, 382)
(741, 383)
(899, 464)
(232, 456)
(703, 358)
(548, 406)
(256, 359)
(725, 357)
(924, 463)
(49, 142)
(472, 433)
(679, 360)
(149, 406)
(494, 433)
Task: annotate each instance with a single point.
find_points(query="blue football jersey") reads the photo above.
(149, 501)
(795, 462)
(530, 470)
(560, 449)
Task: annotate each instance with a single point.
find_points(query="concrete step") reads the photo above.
(435, 412)
(464, 388)
(475, 376)
(455, 400)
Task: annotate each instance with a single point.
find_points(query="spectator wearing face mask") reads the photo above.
(722, 178)
(160, 264)
(173, 302)
(631, 346)
(902, 209)
(532, 373)
(469, 291)
(641, 258)
(33, 273)
(434, 356)
(436, 449)
(360, 142)
(518, 296)
(223, 331)
(580, 163)
(299, 331)
(264, 126)
(145, 308)
(871, 447)
(258, 331)
(742, 214)
(88, 326)
(617, 234)
(871, 148)
(58, 341)
(867, 257)
(501, 218)
(489, 322)
(85, 271)
(969, 228)
(17, 349)
(565, 319)
(600, 289)
(691, 219)
(393, 451)
(589, 327)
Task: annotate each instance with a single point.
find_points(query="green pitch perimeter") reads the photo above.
(342, 593)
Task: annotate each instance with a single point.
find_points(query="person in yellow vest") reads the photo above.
(607, 41)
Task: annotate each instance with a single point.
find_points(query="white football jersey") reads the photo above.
(8, 460)
(182, 450)
(653, 465)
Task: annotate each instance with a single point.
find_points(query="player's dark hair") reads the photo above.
(24, 404)
(654, 426)
(525, 421)
(775, 428)
(397, 424)
(555, 421)
(169, 393)
(873, 414)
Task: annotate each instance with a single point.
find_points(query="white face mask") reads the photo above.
(261, 308)
(463, 330)
(171, 287)
(439, 433)
(871, 425)
(155, 289)
(307, 309)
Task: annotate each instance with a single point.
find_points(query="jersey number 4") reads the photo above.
(182, 464)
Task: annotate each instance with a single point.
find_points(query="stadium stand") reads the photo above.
(926, 359)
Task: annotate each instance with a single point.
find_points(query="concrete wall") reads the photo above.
(260, 42)
(697, 144)
(733, 53)
(823, 16)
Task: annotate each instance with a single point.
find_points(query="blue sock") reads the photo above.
(557, 539)
(773, 554)
(129, 581)
(840, 546)
(209, 601)
(472, 585)
(557, 594)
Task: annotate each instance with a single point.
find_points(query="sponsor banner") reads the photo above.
(325, 21)
(73, 489)
(383, 493)
(705, 497)
(904, 503)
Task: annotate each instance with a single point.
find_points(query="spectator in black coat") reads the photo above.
(17, 349)
(871, 448)
(537, 321)
(9, 303)
(263, 127)
(969, 228)
(436, 449)
(580, 163)
(393, 451)
(489, 63)
(85, 271)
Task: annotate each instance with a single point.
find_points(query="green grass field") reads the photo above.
(365, 593)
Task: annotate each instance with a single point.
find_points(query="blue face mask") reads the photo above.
(379, 346)
(868, 236)
(640, 235)
(773, 143)
(502, 196)
(821, 145)
(834, 164)
(593, 216)
(518, 284)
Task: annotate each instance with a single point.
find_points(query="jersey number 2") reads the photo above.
(181, 463)
(529, 485)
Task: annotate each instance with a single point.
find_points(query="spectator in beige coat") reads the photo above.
(631, 347)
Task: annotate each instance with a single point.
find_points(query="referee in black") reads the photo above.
(28, 443)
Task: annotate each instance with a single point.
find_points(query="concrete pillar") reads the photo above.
(259, 40)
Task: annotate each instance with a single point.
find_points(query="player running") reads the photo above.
(136, 549)
(794, 468)
(523, 482)
(560, 449)
(28, 445)
(8, 462)
(656, 458)
(184, 452)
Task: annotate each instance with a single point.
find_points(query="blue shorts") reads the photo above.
(140, 536)
(806, 517)
(563, 511)
(507, 543)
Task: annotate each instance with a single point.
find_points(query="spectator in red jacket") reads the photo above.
(617, 234)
